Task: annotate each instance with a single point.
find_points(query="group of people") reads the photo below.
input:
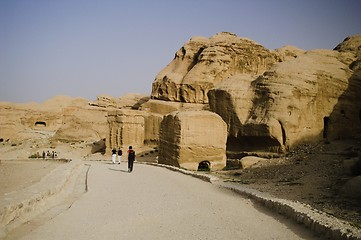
(131, 157)
(49, 154)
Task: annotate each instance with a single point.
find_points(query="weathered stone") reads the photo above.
(291, 103)
(249, 161)
(130, 100)
(204, 62)
(289, 52)
(82, 124)
(188, 138)
(61, 118)
(126, 128)
(151, 128)
(99, 147)
(350, 44)
(104, 101)
(166, 107)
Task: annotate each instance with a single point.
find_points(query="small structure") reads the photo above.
(189, 139)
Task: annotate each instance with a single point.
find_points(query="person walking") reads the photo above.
(114, 155)
(120, 153)
(131, 158)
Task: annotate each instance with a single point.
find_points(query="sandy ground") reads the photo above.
(18, 174)
(155, 203)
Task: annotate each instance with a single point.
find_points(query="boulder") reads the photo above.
(190, 138)
(249, 161)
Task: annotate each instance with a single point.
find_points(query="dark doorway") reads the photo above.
(326, 122)
(40, 124)
(204, 166)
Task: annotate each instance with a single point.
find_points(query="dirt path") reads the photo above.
(155, 203)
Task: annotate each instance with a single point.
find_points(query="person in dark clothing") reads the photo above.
(120, 153)
(131, 158)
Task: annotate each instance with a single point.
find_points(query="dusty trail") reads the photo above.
(155, 203)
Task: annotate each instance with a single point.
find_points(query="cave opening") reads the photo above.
(238, 147)
(326, 122)
(40, 124)
(204, 166)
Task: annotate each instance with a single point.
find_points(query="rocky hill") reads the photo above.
(271, 101)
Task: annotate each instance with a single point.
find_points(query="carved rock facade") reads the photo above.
(126, 128)
(188, 138)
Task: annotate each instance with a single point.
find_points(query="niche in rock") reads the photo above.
(237, 146)
(204, 166)
(40, 124)
(326, 122)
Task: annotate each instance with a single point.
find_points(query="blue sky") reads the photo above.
(86, 48)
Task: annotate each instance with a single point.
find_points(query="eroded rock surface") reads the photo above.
(188, 138)
(60, 118)
(313, 96)
(204, 62)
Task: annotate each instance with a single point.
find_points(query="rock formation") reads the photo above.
(63, 118)
(189, 138)
(202, 63)
(126, 128)
(289, 104)
(130, 100)
(270, 100)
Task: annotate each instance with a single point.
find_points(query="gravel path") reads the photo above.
(155, 203)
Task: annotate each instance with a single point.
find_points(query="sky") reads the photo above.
(87, 48)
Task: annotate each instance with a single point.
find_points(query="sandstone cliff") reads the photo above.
(291, 103)
(270, 100)
(204, 62)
